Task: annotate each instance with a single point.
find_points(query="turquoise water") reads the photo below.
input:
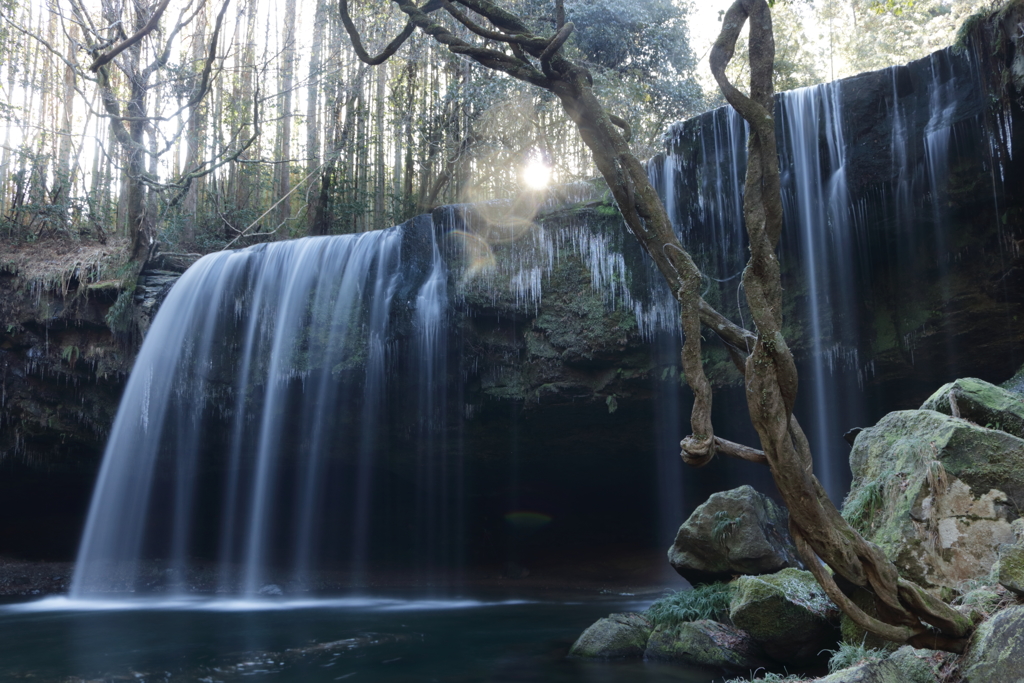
(385, 640)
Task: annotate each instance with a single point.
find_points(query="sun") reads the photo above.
(536, 175)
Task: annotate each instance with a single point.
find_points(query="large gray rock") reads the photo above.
(936, 493)
(982, 403)
(734, 532)
(617, 636)
(1011, 561)
(996, 652)
(905, 665)
(787, 614)
(706, 643)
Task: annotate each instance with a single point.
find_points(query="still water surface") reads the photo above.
(384, 640)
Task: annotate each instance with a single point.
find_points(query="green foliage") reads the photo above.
(70, 355)
(710, 601)
(120, 318)
(966, 29)
(723, 527)
(847, 655)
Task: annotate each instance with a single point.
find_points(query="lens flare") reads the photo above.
(536, 174)
(527, 519)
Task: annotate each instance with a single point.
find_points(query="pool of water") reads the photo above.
(381, 639)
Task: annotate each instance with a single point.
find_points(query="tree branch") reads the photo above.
(150, 26)
(557, 42)
(357, 43)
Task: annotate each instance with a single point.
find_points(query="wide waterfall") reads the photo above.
(264, 378)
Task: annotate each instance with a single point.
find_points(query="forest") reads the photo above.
(242, 122)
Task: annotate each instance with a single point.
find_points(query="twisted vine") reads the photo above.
(907, 613)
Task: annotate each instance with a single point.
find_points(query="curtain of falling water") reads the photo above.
(285, 347)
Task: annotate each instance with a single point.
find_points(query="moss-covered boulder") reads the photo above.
(996, 652)
(617, 636)
(787, 613)
(1011, 568)
(905, 665)
(734, 532)
(982, 403)
(706, 643)
(1016, 383)
(936, 493)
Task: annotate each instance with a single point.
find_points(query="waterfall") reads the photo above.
(815, 201)
(251, 424)
(863, 260)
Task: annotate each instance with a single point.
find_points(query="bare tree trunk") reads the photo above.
(378, 146)
(284, 178)
(193, 135)
(67, 114)
(314, 213)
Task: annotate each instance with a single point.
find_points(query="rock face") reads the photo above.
(905, 665)
(1011, 563)
(982, 403)
(996, 652)
(734, 532)
(787, 614)
(707, 643)
(936, 493)
(617, 636)
(1015, 384)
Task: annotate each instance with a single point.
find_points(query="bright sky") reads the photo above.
(704, 28)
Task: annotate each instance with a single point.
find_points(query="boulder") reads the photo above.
(905, 665)
(982, 403)
(706, 643)
(996, 651)
(787, 614)
(1011, 568)
(936, 493)
(617, 636)
(734, 532)
(1016, 383)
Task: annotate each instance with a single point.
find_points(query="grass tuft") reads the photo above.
(710, 601)
(847, 655)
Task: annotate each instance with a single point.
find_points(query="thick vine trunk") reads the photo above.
(771, 378)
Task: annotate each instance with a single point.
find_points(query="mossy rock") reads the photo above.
(996, 651)
(1015, 384)
(1011, 568)
(903, 440)
(787, 613)
(740, 531)
(706, 643)
(936, 493)
(905, 665)
(617, 636)
(980, 402)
